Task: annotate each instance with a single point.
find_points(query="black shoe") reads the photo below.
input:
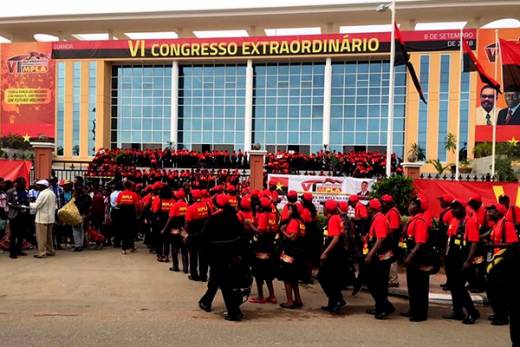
(326, 308)
(193, 278)
(454, 316)
(78, 249)
(236, 318)
(13, 256)
(499, 321)
(476, 290)
(470, 319)
(381, 315)
(417, 319)
(21, 254)
(492, 317)
(204, 307)
(174, 269)
(371, 311)
(406, 314)
(203, 279)
(337, 306)
(186, 271)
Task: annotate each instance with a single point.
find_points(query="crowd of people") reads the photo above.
(226, 230)
(131, 162)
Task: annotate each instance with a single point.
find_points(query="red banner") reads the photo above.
(27, 89)
(330, 44)
(12, 169)
(505, 133)
(490, 191)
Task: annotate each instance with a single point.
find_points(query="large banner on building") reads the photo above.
(27, 89)
(490, 191)
(321, 187)
(301, 45)
(488, 56)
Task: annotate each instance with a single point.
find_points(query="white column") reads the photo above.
(174, 103)
(390, 123)
(248, 123)
(327, 86)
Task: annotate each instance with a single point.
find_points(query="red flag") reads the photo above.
(510, 53)
(471, 64)
(402, 57)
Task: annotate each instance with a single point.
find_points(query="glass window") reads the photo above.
(148, 105)
(443, 107)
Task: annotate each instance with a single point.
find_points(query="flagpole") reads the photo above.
(457, 139)
(390, 124)
(495, 94)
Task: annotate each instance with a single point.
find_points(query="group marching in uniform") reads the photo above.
(215, 232)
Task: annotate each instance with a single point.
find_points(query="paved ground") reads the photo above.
(101, 298)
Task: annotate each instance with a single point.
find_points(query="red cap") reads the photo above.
(374, 204)
(424, 201)
(217, 189)
(343, 206)
(266, 193)
(157, 186)
(255, 192)
(222, 200)
(265, 202)
(245, 203)
(307, 196)
(180, 194)
(196, 194)
(292, 194)
(353, 198)
(230, 188)
(447, 198)
(475, 197)
(204, 193)
(331, 205)
(499, 207)
(387, 198)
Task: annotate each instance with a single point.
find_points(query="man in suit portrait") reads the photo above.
(511, 114)
(484, 114)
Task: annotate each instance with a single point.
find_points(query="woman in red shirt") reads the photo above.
(291, 261)
(264, 260)
(313, 239)
(333, 259)
(127, 201)
(160, 209)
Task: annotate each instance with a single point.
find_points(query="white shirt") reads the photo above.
(113, 197)
(45, 206)
(480, 116)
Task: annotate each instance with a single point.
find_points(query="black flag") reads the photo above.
(402, 57)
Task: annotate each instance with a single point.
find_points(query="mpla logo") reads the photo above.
(34, 62)
(327, 185)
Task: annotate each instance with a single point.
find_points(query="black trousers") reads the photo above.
(331, 279)
(498, 292)
(198, 262)
(457, 279)
(219, 278)
(128, 229)
(377, 282)
(19, 227)
(115, 216)
(418, 289)
(178, 246)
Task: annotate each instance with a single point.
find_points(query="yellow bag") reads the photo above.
(69, 214)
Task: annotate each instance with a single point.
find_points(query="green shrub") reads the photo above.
(400, 187)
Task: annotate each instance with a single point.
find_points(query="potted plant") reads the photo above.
(437, 165)
(416, 153)
(451, 146)
(465, 167)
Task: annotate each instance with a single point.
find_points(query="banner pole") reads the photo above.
(390, 124)
(495, 93)
(457, 139)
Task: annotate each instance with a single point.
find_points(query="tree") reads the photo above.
(451, 143)
(399, 187)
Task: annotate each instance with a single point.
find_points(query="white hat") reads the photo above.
(43, 183)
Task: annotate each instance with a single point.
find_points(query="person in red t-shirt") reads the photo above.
(245, 214)
(416, 237)
(127, 201)
(174, 227)
(477, 277)
(333, 258)
(394, 221)
(160, 210)
(503, 235)
(292, 199)
(444, 220)
(463, 241)
(264, 263)
(513, 212)
(196, 215)
(313, 240)
(379, 257)
(291, 260)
